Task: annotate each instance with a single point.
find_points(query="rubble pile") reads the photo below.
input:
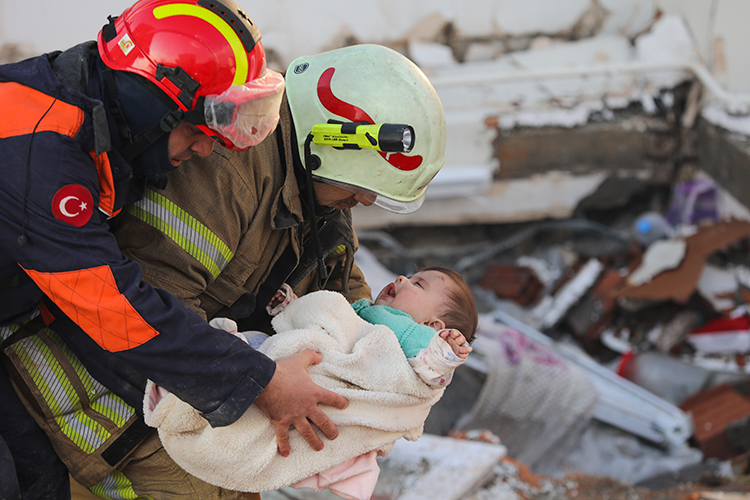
(666, 307)
(648, 301)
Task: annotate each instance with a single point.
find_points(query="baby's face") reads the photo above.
(423, 296)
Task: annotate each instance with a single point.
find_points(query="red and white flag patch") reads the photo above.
(73, 204)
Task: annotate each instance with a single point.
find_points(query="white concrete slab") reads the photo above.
(554, 195)
(454, 467)
(431, 468)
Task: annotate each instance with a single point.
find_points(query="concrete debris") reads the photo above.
(596, 310)
(572, 291)
(713, 410)
(661, 256)
(433, 462)
(718, 286)
(722, 335)
(531, 396)
(679, 283)
(565, 292)
(520, 284)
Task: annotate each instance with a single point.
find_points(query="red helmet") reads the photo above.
(193, 50)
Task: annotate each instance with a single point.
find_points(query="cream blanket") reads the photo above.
(361, 361)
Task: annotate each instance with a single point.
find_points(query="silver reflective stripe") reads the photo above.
(192, 236)
(60, 396)
(117, 487)
(114, 408)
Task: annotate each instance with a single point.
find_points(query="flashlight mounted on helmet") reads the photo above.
(385, 137)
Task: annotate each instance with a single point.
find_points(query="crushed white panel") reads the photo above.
(572, 291)
(718, 286)
(561, 84)
(660, 256)
(455, 466)
(531, 79)
(621, 403)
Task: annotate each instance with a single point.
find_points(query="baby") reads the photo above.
(363, 361)
(435, 299)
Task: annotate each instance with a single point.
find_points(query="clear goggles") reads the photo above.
(395, 206)
(246, 114)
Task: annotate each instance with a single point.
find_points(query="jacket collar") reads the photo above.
(288, 207)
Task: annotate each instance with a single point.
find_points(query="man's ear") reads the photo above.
(436, 324)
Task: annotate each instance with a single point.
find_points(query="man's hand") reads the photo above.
(291, 398)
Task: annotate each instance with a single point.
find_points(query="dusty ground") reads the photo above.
(514, 481)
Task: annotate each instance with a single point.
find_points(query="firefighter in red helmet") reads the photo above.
(84, 132)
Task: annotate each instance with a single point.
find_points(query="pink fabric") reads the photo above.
(352, 480)
(154, 394)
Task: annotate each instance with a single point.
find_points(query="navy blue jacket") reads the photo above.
(61, 181)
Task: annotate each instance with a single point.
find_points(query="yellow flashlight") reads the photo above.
(386, 137)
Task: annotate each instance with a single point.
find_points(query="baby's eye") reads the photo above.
(419, 284)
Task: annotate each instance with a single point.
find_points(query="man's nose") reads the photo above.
(362, 200)
(203, 145)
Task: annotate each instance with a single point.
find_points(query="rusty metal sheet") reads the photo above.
(679, 284)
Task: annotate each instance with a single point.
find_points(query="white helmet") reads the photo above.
(342, 98)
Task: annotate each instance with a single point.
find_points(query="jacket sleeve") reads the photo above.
(83, 272)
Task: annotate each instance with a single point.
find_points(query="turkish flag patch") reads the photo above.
(73, 204)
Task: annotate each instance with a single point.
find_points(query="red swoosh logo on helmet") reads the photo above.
(355, 114)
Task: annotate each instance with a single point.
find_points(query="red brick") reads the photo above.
(712, 410)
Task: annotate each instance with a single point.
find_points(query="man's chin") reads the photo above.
(343, 206)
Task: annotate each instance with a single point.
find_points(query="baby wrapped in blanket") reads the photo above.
(389, 394)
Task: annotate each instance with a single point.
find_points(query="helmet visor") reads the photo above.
(244, 115)
(395, 206)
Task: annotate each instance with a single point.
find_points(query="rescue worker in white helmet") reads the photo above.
(84, 132)
(280, 211)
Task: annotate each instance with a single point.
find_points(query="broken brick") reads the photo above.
(516, 283)
(713, 410)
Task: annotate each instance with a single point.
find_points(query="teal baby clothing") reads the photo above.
(412, 336)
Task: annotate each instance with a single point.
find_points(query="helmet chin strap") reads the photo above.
(312, 162)
(134, 146)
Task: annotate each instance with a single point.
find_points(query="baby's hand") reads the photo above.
(277, 299)
(457, 342)
(280, 300)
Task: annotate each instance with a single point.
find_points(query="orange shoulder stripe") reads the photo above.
(90, 298)
(106, 184)
(24, 106)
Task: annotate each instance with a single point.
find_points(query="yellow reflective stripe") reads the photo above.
(59, 395)
(92, 386)
(117, 487)
(80, 424)
(114, 408)
(240, 56)
(338, 251)
(101, 399)
(192, 236)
